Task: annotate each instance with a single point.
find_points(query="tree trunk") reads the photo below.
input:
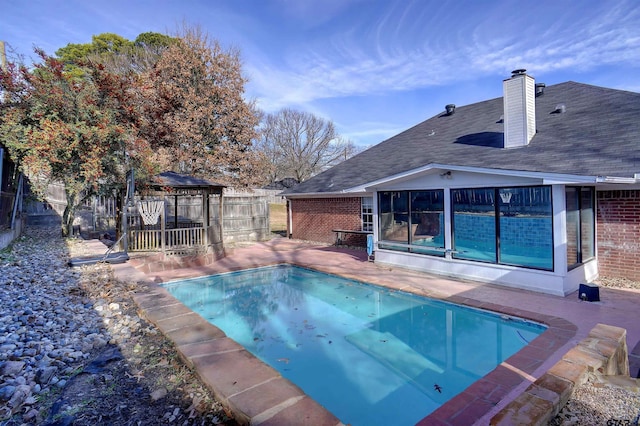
(119, 209)
(69, 214)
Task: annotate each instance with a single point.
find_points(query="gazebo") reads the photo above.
(173, 215)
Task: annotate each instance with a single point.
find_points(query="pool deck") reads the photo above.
(257, 394)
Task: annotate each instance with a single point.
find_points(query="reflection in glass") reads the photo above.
(580, 225)
(394, 217)
(587, 226)
(526, 227)
(414, 219)
(474, 225)
(427, 222)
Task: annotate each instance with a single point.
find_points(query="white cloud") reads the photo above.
(356, 62)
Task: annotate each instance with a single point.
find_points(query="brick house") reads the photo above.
(538, 189)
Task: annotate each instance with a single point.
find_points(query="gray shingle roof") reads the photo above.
(176, 180)
(598, 135)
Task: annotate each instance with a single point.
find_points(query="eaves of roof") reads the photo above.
(597, 138)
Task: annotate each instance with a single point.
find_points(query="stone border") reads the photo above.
(257, 394)
(603, 352)
(254, 392)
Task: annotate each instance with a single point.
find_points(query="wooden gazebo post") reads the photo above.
(205, 217)
(221, 219)
(184, 185)
(163, 227)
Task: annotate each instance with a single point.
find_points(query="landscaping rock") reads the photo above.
(54, 320)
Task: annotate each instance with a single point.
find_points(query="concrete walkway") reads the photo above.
(569, 319)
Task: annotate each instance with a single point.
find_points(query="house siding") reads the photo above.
(314, 219)
(618, 234)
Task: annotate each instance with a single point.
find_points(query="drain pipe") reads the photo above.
(289, 220)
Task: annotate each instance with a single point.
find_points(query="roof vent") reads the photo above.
(450, 108)
(540, 89)
(559, 109)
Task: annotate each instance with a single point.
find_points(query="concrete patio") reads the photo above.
(213, 355)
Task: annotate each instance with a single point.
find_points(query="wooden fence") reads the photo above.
(47, 212)
(246, 218)
(272, 195)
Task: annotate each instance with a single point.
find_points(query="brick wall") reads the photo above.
(314, 218)
(618, 230)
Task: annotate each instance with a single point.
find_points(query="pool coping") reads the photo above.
(257, 394)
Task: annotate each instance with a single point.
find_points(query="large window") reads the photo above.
(510, 226)
(580, 225)
(412, 221)
(394, 216)
(367, 213)
(474, 224)
(526, 227)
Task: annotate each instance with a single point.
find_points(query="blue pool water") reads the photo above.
(370, 355)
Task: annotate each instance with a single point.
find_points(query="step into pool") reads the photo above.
(370, 355)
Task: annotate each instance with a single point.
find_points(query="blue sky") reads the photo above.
(373, 67)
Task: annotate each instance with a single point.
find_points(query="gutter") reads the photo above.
(614, 179)
(323, 194)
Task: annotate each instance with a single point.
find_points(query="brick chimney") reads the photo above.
(519, 109)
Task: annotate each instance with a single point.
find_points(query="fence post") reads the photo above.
(205, 219)
(162, 226)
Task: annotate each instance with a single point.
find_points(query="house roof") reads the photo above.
(176, 180)
(597, 135)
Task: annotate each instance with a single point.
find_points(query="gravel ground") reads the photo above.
(73, 350)
(602, 401)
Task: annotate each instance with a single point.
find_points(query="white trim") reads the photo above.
(559, 209)
(547, 178)
(448, 227)
(616, 180)
(329, 195)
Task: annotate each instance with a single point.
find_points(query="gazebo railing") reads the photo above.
(175, 240)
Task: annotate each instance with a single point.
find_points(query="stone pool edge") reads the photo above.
(257, 394)
(602, 353)
(254, 392)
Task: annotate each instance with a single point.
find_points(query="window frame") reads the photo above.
(580, 258)
(497, 210)
(366, 210)
(407, 211)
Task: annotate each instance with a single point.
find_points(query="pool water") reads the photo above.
(370, 355)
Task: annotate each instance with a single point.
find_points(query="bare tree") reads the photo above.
(301, 145)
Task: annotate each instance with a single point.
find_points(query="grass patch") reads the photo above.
(6, 254)
(278, 218)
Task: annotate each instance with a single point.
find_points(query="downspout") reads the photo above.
(289, 219)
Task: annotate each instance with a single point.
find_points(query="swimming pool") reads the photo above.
(368, 354)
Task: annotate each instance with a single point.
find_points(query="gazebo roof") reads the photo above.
(179, 181)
